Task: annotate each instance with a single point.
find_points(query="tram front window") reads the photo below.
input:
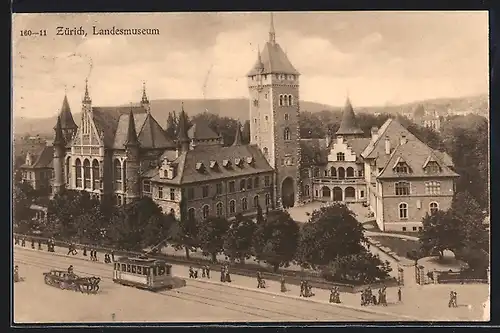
(124, 268)
(133, 269)
(139, 270)
(161, 270)
(145, 271)
(128, 268)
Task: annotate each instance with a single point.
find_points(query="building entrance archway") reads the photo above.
(288, 192)
(337, 194)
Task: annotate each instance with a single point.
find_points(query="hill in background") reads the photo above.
(238, 109)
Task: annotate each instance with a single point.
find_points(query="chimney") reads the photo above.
(328, 140)
(374, 133)
(177, 152)
(403, 139)
(340, 139)
(387, 145)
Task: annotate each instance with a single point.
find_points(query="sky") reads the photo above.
(376, 58)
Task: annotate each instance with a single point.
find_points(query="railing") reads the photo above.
(337, 181)
(245, 269)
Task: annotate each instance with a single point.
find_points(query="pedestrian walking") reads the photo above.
(191, 272)
(283, 286)
(207, 268)
(113, 255)
(84, 251)
(32, 243)
(203, 273)
(302, 287)
(39, 244)
(222, 274)
(23, 242)
(399, 295)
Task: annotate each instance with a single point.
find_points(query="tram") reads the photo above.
(145, 273)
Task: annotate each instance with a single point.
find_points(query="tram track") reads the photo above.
(216, 298)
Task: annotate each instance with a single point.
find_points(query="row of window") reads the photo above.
(403, 209)
(404, 188)
(431, 168)
(219, 207)
(244, 184)
(286, 100)
(339, 173)
(277, 76)
(85, 173)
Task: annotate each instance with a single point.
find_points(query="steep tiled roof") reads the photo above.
(67, 121)
(201, 131)
(274, 60)
(187, 164)
(313, 152)
(349, 124)
(391, 128)
(447, 160)
(42, 159)
(106, 120)
(149, 132)
(358, 145)
(132, 139)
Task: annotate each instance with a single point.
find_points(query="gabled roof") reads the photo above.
(187, 161)
(358, 145)
(42, 159)
(392, 129)
(149, 133)
(349, 124)
(414, 153)
(273, 60)
(201, 131)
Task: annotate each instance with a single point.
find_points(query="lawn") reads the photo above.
(400, 246)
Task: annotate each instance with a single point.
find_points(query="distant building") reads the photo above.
(430, 119)
(37, 169)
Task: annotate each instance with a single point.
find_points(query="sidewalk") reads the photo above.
(423, 302)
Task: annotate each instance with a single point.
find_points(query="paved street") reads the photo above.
(204, 300)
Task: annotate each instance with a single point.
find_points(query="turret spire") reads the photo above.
(237, 137)
(59, 137)
(272, 33)
(86, 97)
(144, 96)
(183, 138)
(259, 65)
(349, 125)
(132, 139)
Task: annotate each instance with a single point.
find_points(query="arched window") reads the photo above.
(255, 201)
(219, 208)
(341, 173)
(206, 211)
(117, 173)
(286, 134)
(290, 100)
(266, 152)
(327, 193)
(433, 207)
(78, 171)
(349, 172)
(232, 206)
(306, 190)
(402, 188)
(67, 169)
(191, 214)
(242, 185)
(281, 100)
(340, 157)
(244, 204)
(350, 192)
(403, 210)
(124, 179)
(286, 116)
(333, 172)
(95, 175)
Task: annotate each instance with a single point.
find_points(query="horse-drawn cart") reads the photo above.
(70, 281)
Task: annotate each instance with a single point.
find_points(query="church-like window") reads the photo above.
(206, 211)
(78, 171)
(232, 207)
(402, 188)
(255, 201)
(117, 172)
(244, 204)
(286, 134)
(281, 100)
(219, 209)
(290, 100)
(340, 157)
(95, 174)
(403, 210)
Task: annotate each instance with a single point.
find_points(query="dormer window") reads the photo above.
(238, 161)
(199, 166)
(432, 167)
(401, 167)
(213, 164)
(226, 163)
(250, 160)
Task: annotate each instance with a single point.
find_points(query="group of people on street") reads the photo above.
(367, 296)
(305, 289)
(335, 295)
(205, 272)
(93, 254)
(224, 274)
(261, 283)
(22, 241)
(453, 300)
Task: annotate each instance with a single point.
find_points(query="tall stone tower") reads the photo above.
(132, 165)
(58, 161)
(273, 84)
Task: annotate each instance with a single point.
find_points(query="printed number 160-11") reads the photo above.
(28, 33)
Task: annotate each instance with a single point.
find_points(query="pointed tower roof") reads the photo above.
(67, 121)
(273, 58)
(132, 139)
(59, 137)
(144, 96)
(349, 125)
(182, 136)
(86, 97)
(237, 137)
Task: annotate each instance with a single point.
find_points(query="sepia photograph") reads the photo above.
(250, 167)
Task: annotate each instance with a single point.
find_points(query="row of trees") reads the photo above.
(460, 230)
(332, 241)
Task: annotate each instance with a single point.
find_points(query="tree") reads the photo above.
(363, 268)
(89, 225)
(238, 240)
(159, 229)
(211, 234)
(186, 231)
(441, 231)
(171, 129)
(275, 240)
(23, 196)
(331, 232)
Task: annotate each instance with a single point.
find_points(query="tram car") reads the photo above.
(145, 273)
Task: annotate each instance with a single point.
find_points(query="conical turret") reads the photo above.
(59, 136)
(132, 139)
(272, 32)
(86, 96)
(349, 125)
